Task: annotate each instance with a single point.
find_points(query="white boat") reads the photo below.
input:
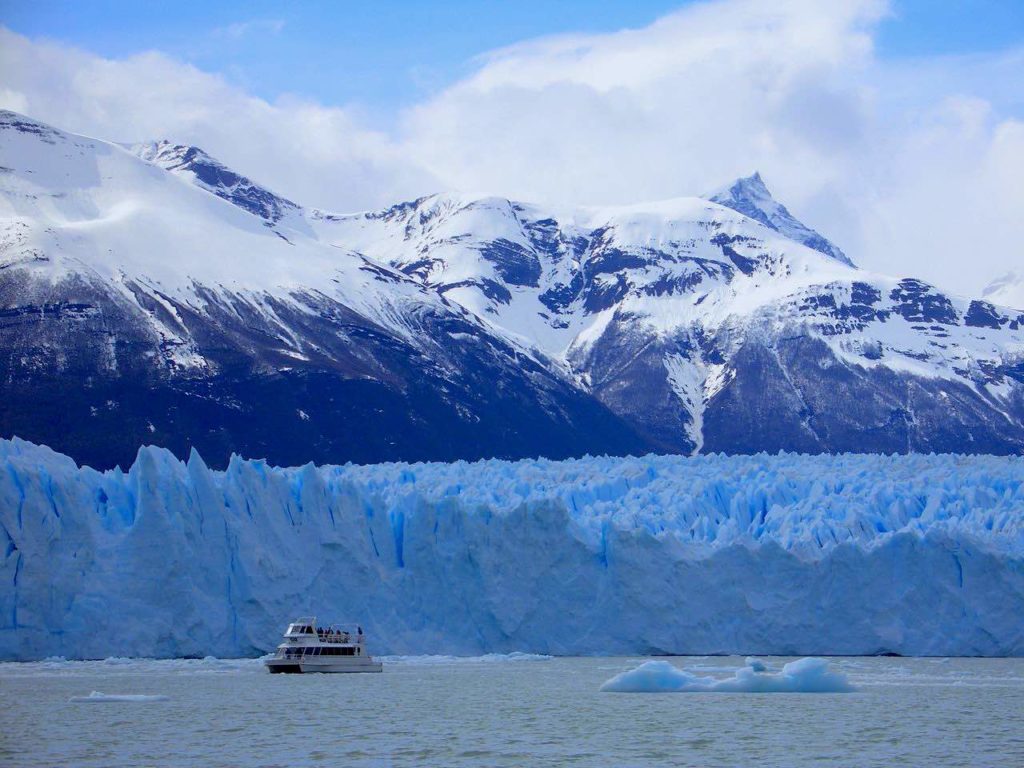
(311, 648)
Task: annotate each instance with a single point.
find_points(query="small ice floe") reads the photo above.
(96, 696)
(808, 675)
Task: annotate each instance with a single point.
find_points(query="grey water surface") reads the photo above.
(504, 710)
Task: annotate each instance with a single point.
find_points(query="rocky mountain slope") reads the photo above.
(136, 307)
(150, 294)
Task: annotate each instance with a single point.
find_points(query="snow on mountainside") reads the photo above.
(1007, 291)
(702, 325)
(203, 170)
(751, 197)
(708, 330)
(137, 306)
(779, 554)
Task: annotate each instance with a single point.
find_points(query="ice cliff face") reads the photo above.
(762, 554)
(155, 295)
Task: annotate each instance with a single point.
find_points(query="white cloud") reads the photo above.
(913, 167)
(242, 29)
(699, 97)
(900, 164)
(314, 154)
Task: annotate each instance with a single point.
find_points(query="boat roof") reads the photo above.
(311, 620)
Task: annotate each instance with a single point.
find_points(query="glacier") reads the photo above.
(766, 554)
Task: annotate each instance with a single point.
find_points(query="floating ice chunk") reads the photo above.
(96, 696)
(756, 664)
(808, 675)
(651, 677)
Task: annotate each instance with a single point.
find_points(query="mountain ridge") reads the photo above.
(679, 326)
(750, 196)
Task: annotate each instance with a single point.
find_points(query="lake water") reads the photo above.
(505, 711)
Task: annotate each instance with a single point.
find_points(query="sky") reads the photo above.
(896, 128)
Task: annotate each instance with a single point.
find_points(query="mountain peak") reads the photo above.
(749, 195)
(15, 121)
(215, 177)
(1007, 291)
(751, 185)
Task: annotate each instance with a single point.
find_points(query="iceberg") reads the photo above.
(808, 675)
(783, 555)
(102, 698)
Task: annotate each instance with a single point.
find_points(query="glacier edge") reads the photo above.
(786, 554)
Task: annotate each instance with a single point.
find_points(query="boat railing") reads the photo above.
(306, 628)
(344, 638)
(303, 651)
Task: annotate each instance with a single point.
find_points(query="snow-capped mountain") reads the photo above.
(137, 307)
(195, 165)
(1007, 291)
(707, 330)
(197, 307)
(751, 197)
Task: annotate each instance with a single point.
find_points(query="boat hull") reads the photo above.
(349, 665)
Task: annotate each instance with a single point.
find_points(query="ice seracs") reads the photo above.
(778, 555)
(309, 647)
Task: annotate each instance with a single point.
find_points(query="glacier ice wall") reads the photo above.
(750, 554)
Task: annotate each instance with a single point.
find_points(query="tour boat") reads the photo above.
(334, 648)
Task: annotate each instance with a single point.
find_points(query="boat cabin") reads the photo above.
(304, 638)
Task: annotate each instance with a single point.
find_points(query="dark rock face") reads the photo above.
(981, 314)
(515, 265)
(628, 374)
(919, 302)
(797, 396)
(85, 373)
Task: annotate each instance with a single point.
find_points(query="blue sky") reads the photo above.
(386, 54)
